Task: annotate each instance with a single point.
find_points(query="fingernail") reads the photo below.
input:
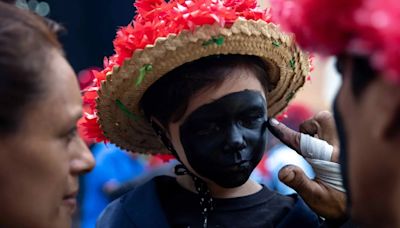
(288, 176)
(273, 121)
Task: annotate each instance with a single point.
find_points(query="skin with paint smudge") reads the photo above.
(228, 135)
(223, 165)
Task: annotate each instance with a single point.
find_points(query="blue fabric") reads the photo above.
(112, 165)
(140, 208)
(300, 216)
(278, 157)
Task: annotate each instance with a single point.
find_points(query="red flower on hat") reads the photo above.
(157, 18)
(93, 131)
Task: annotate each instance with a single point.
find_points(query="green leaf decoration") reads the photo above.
(123, 108)
(292, 64)
(276, 43)
(290, 96)
(142, 73)
(215, 40)
(219, 41)
(208, 42)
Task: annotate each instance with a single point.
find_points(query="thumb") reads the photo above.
(295, 178)
(325, 201)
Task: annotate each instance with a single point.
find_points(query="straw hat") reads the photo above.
(222, 28)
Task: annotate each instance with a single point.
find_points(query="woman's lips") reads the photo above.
(70, 201)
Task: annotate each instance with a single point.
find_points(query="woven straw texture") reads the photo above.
(289, 67)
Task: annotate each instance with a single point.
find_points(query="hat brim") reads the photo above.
(128, 128)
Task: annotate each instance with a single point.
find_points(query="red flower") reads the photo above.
(316, 23)
(92, 128)
(90, 95)
(362, 27)
(165, 157)
(241, 5)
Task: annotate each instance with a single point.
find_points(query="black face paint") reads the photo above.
(225, 140)
(343, 151)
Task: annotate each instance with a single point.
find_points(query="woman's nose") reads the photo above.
(83, 162)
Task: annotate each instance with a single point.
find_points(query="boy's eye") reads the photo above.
(208, 128)
(252, 121)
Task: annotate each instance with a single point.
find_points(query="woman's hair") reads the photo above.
(167, 99)
(25, 41)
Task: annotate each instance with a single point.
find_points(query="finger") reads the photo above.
(288, 136)
(328, 132)
(305, 145)
(314, 148)
(295, 178)
(324, 200)
(310, 127)
(322, 126)
(327, 127)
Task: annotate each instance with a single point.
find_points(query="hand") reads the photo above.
(323, 199)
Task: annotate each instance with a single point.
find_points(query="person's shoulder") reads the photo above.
(300, 215)
(114, 215)
(135, 208)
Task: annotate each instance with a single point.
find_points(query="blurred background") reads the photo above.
(90, 29)
(90, 25)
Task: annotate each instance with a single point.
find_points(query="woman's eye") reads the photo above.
(71, 134)
(208, 129)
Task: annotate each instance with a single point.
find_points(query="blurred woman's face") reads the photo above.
(369, 153)
(222, 135)
(41, 162)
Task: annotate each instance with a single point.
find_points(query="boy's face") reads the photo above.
(222, 135)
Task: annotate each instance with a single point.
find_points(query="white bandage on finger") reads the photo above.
(318, 153)
(328, 172)
(315, 148)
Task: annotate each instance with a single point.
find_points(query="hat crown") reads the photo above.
(156, 19)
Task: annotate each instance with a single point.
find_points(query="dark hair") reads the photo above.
(362, 72)
(25, 40)
(167, 99)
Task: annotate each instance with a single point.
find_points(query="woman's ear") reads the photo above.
(162, 134)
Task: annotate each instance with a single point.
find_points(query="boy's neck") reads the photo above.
(248, 188)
